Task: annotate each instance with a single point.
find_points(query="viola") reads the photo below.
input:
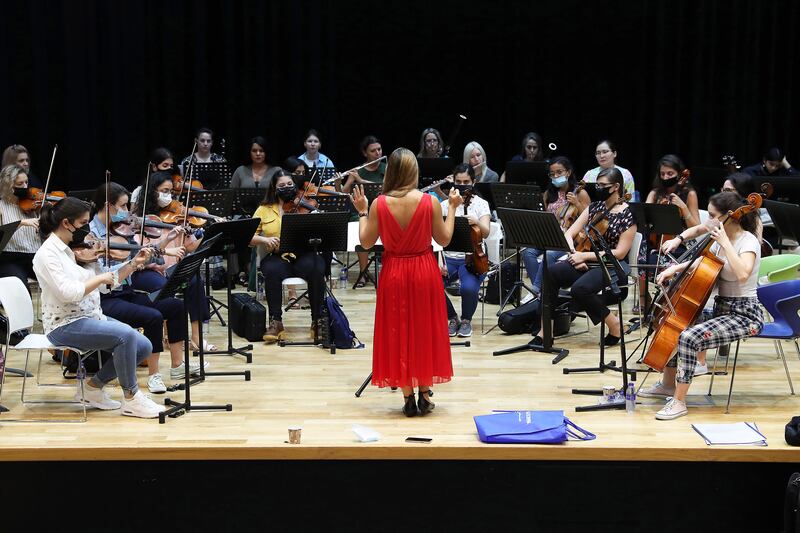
(36, 199)
(569, 213)
(476, 262)
(688, 293)
(600, 223)
(179, 184)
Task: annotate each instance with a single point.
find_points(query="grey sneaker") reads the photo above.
(452, 327)
(674, 409)
(656, 391)
(465, 329)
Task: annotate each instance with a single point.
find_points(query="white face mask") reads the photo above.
(164, 198)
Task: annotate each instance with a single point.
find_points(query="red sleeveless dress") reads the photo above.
(411, 342)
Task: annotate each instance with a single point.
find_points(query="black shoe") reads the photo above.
(425, 405)
(611, 340)
(410, 408)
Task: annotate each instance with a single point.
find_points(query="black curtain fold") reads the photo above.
(110, 81)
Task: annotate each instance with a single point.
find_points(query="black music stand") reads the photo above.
(484, 190)
(786, 218)
(434, 169)
(186, 269)
(784, 188)
(230, 238)
(540, 230)
(371, 192)
(317, 232)
(246, 201)
(332, 203)
(216, 173)
(527, 172)
(84, 194)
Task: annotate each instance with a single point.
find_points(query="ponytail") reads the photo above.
(69, 208)
(730, 201)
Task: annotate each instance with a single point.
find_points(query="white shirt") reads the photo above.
(63, 283)
(728, 284)
(26, 238)
(478, 207)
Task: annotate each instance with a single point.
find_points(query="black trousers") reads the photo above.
(136, 310)
(196, 300)
(17, 264)
(585, 288)
(308, 266)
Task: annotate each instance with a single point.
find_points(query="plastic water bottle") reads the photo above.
(630, 397)
(343, 278)
(260, 295)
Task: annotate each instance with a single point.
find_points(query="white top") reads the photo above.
(63, 282)
(25, 239)
(478, 207)
(627, 177)
(728, 284)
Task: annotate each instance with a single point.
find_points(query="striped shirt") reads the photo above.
(26, 238)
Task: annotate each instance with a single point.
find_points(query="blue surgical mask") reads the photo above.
(119, 216)
(559, 181)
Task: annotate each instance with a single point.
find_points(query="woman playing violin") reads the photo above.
(561, 200)
(574, 271)
(17, 258)
(134, 308)
(736, 314)
(152, 278)
(277, 266)
(161, 159)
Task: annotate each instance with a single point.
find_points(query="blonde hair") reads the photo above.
(468, 152)
(7, 178)
(402, 172)
(10, 154)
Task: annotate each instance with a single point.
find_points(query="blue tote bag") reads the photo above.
(528, 427)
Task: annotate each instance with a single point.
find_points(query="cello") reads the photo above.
(688, 293)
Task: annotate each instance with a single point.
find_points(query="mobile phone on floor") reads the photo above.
(418, 439)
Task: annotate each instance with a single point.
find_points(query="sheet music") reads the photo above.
(737, 433)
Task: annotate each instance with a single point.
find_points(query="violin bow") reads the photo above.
(108, 218)
(49, 174)
(188, 191)
(143, 194)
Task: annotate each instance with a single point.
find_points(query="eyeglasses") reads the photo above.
(558, 174)
(431, 141)
(728, 189)
(602, 152)
(603, 185)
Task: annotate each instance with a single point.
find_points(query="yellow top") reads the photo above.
(270, 216)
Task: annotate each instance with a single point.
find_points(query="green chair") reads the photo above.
(782, 267)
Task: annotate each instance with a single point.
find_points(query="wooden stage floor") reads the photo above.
(312, 388)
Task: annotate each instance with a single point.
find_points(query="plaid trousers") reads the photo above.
(732, 319)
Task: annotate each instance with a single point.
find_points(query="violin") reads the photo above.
(569, 213)
(301, 203)
(687, 293)
(600, 223)
(179, 184)
(176, 213)
(36, 199)
(476, 262)
(119, 249)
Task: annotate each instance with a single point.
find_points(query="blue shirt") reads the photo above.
(322, 161)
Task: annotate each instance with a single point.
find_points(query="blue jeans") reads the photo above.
(530, 257)
(128, 346)
(470, 286)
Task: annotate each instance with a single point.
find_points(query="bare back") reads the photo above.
(403, 208)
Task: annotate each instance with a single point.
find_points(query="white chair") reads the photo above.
(293, 282)
(16, 301)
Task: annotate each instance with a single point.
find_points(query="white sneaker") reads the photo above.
(674, 409)
(97, 398)
(155, 384)
(656, 391)
(700, 370)
(141, 406)
(178, 372)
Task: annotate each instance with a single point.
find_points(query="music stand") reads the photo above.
(84, 194)
(786, 218)
(784, 188)
(216, 173)
(186, 269)
(434, 169)
(230, 238)
(246, 201)
(332, 203)
(218, 202)
(537, 229)
(371, 191)
(527, 172)
(317, 232)
(484, 190)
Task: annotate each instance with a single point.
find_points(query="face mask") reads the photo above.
(164, 198)
(462, 189)
(669, 183)
(79, 235)
(21, 192)
(120, 216)
(604, 193)
(559, 182)
(287, 193)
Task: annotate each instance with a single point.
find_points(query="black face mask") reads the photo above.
(21, 192)
(79, 235)
(462, 188)
(286, 193)
(669, 183)
(603, 193)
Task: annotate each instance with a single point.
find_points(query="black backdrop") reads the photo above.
(109, 81)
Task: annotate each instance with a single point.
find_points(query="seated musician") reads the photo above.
(479, 215)
(135, 307)
(666, 189)
(606, 155)
(16, 154)
(774, 163)
(475, 156)
(575, 272)
(203, 154)
(532, 150)
(559, 193)
(312, 156)
(249, 176)
(742, 184)
(17, 257)
(160, 159)
(431, 145)
(736, 314)
(71, 312)
(276, 267)
(152, 278)
(371, 149)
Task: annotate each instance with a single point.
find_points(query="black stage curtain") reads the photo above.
(110, 81)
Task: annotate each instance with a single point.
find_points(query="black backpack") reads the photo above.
(509, 273)
(91, 363)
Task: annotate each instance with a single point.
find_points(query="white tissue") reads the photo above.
(366, 434)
